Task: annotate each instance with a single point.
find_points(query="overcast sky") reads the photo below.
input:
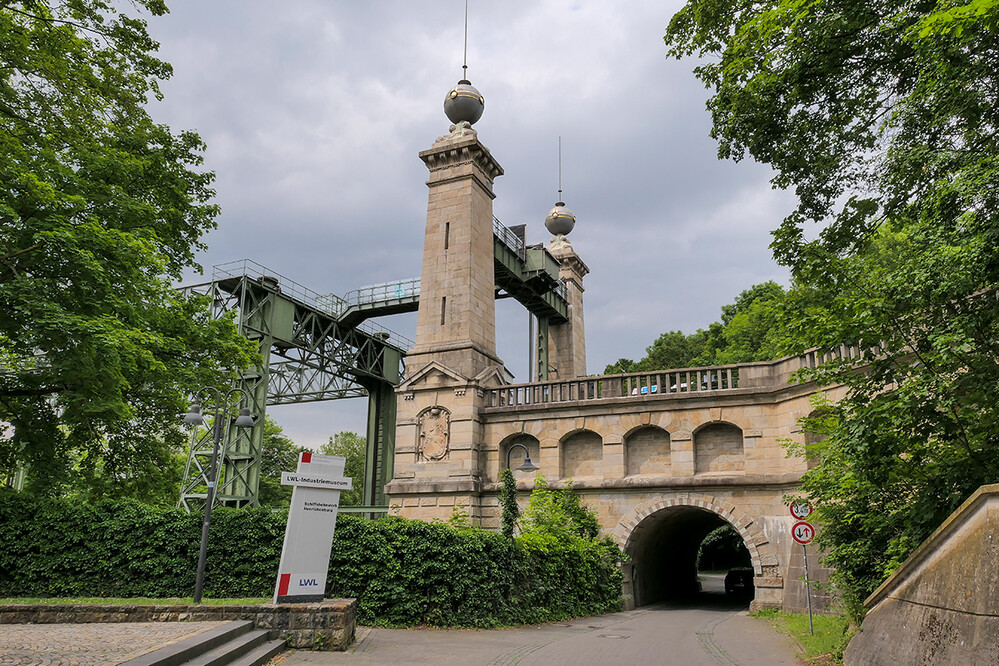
(314, 112)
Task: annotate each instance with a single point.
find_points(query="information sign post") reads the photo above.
(803, 533)
(308, 537)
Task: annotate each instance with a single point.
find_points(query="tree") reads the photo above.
(721, 549)
(883, 118)
(277, 454)
(353, 447)
(673, 349)
(100, 208)
(750, 330)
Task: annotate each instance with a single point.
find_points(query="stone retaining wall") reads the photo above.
(328, 625)
(942, 605)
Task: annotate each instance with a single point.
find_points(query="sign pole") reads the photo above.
(803, 533)
(808, 593)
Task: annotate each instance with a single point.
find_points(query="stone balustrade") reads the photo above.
(667, 383)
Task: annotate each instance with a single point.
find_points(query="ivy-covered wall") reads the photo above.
(402, 572)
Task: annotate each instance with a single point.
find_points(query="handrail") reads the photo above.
(330, 304)
(510, 239)
(384, 292)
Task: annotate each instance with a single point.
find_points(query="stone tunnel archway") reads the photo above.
(661, 538)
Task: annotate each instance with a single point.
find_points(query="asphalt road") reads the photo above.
(708, 631)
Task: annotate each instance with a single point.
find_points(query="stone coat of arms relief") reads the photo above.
(435, 432)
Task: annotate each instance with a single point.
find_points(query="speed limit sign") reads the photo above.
(802, 532)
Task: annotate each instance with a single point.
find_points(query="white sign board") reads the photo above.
(308, 537)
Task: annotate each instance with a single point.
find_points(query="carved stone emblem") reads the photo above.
(435, 432)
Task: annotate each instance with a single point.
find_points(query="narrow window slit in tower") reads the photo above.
(447, 234)
(443, 308)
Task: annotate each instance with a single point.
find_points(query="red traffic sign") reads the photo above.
(802, 532)
(801, 509)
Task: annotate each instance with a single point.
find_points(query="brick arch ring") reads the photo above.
(759, 547)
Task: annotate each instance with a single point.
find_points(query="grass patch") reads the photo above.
(136, 601)
(825, 646)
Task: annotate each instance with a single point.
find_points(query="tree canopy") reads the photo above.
(353, 447)
(882, 117)
(750, 329)
(100, 208)
(277, 454)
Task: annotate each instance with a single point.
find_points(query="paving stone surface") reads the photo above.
(89, 644)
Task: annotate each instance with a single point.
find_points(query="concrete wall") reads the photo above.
(942, 605)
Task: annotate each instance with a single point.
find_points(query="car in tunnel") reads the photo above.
(739, 580)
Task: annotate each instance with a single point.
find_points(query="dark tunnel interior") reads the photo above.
(663, 550)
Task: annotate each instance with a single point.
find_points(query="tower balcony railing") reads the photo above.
(662, 384)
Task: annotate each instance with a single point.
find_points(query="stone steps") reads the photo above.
(235, 643)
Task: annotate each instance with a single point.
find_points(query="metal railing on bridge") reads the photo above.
(516, 244)
(510, 239)
(330, 304)
(383, 293)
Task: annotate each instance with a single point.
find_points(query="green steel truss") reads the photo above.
(309, 355)
(321, 347)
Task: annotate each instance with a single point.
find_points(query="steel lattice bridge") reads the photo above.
(318, 347)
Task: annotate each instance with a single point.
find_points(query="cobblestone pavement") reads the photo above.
(86, 644)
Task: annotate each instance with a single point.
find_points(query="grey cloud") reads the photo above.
(314, 113)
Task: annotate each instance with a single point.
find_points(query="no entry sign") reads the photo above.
(802, 532)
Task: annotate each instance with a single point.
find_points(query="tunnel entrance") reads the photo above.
(664, 554)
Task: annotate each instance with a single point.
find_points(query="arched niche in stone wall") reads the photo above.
(516, 454)
(433, 434)
(647, 452)
(582, 455)
(718, 447)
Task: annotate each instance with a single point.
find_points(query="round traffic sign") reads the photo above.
(801, 509)
(802, 532)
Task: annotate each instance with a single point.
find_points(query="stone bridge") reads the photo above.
(664, 458)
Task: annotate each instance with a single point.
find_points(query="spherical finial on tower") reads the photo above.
(560, 220)
(464, 103)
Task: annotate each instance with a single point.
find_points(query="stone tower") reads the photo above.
(456, 324)
(439, 431)
(567, 342)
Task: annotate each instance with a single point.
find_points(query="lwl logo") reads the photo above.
(307, 582)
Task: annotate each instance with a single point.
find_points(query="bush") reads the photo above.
(402, 572)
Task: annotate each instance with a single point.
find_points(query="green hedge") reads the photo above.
(402, 572)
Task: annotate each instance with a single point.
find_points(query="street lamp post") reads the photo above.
(527, 465)
(194, 417)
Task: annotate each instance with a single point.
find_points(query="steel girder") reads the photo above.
(309, 355)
